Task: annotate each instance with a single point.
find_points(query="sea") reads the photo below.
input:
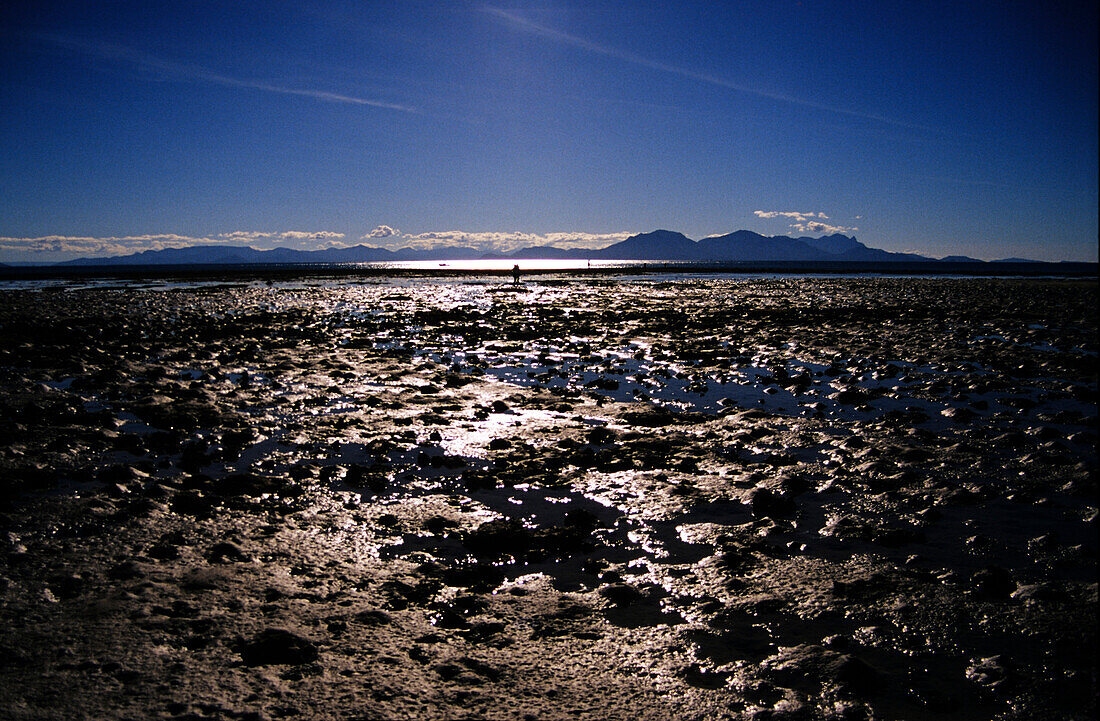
(37, 276)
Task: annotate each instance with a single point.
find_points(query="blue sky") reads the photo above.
(942, 128)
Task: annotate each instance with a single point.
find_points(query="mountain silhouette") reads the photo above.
(740, 246)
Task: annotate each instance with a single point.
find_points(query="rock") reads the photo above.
(373, 617)
(765, 503)
(621, 594)
(761, 604)
(163, 551)
(120, 475)
(895, 536)
(278, 646)
(603, 383)
(582, 519)
(851, 672)
(959, 415)
(503, 539)
(851, 396)
(992, 583)
(226, 552)
(655, 418)
(192, 503)
(797, 664)
(66, 585)
(439, 525)
(116, 490)
(125, 571)
(1037, 593)
(701, 677)
(990, 673)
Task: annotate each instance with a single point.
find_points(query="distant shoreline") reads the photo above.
(287, 271)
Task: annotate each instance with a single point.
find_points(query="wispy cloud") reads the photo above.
(805, 222)
(172, 69)
(521, 23)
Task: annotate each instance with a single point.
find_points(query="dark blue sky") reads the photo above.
(942, 128)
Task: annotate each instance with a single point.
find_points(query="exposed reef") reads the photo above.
(785, 498)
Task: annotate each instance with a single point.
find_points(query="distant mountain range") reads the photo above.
(740, 246)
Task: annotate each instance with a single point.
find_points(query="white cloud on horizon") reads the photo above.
(245, 235)
(48, 248)
(496, 241)
(325, 235)
(330, 237)
(107, 246)
(814, 226)
(103, 246)
(793, 215)
(805, 222)
(381, 231)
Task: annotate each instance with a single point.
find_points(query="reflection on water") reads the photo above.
(505, 264)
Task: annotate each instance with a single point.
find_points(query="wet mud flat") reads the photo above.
(722, 498)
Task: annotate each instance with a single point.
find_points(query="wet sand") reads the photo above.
(785, 498)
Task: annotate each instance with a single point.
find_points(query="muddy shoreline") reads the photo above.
(603, 498)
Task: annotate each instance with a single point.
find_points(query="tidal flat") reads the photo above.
(615, 498)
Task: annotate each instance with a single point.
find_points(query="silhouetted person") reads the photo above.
(515, 274)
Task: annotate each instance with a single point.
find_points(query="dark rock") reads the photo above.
(373, 617)
(895, 536)
(655, 418)
(1039, 593)
(852, 396)
(600, 435)
(192, 503)
(507, 538)
(125, 571)
(603, 383)
(991, 673)
(700, 677)
(765, 503)
(116, 490)
(242, 484)
(439, 525)
(582, 519)
(473, 575)
(864, 589)
(226, 552)
(992, 583)
(278, 646)
(851, 672)
(801, 664)
(480, 667)
(120, 474)
(449, 618)
(762, 604)
(959, 415)
(484, 631)
(621, 594)
(66, 585)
